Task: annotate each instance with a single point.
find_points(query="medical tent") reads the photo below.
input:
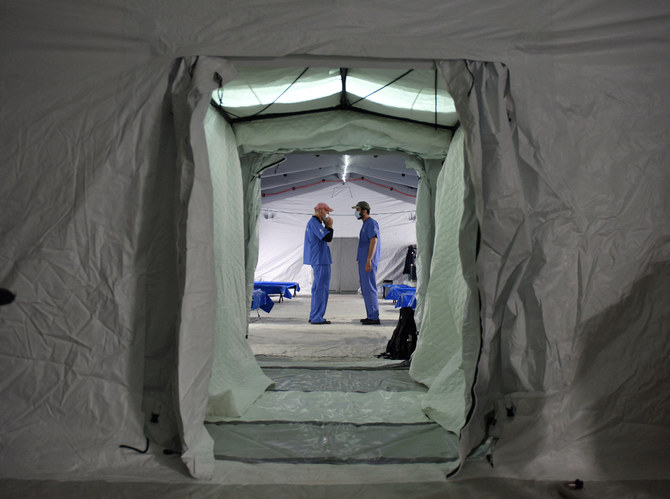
(133, 212)
(285, 213)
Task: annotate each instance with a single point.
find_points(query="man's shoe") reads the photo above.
(319, 323)
(367, 322)
(363, 320)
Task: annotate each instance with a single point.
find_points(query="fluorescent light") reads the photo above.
(346, 168)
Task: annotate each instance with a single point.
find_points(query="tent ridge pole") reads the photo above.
(244, 119)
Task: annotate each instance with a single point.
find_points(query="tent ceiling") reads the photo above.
(418, 95)
(380, 171)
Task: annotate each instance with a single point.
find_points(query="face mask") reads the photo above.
(357, 214)
(326, 216)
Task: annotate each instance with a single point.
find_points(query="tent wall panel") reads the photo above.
(282, 233)
(344, 272)
(533, 299)
(89, 272)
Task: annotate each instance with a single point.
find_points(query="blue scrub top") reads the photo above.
(369, 230)
(315, 249)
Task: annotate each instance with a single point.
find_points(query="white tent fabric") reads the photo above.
(282, 232)
(198, 305)
(428, 170)
(438, 361)
(105, 214)
(236, 380)
(338, 131)
(414, 94)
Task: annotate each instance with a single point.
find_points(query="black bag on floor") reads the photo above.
(403, 341)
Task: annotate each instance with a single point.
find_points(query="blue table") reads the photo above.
(283, 289)
(262, 300)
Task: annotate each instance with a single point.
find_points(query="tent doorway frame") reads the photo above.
(195, 417)
(344, 64)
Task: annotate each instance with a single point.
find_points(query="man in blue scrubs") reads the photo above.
(369, 252)
(318, 233)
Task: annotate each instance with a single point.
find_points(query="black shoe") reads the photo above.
(319, 323)
(367, 322)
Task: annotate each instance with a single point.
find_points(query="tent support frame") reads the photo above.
(345, 107)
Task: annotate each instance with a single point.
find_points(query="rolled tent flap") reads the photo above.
(236, 380)
(195, 338)
(447, 299)
(198, 274)
(425, 225)
(481, 94)
(252, 165)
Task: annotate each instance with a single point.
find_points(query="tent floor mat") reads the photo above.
(474, 488)
(344, 379)
(320, 442)
(335, 413)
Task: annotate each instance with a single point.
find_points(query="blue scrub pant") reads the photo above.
(320, 286)
(369, 290)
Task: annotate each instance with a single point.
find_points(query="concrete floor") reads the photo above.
(286, 332)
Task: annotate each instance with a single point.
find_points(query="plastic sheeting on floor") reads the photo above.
(264, 480)
(373, 407)
(340, 416)
(334, 443)
(351, 380)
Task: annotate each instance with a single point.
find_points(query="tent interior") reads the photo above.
(289, 192)
(162, 157)
(291, 189)
(353, 120)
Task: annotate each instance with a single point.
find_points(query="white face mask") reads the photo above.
(326, 216)
(357, 214)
